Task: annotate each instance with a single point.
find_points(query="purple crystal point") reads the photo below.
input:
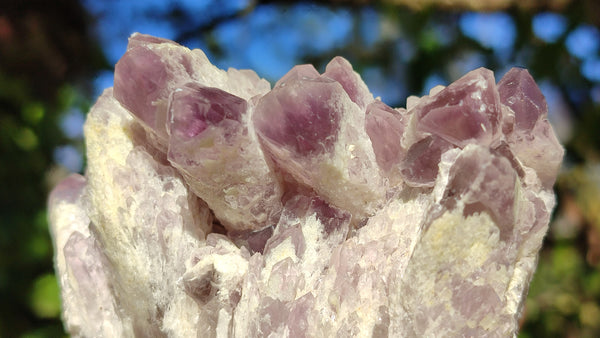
(467, 111)
(341, 71)
(299, 72)
(299, 117)
(194, 108)
(68, 190)
(519, 92)
(140, 80)
(385, 127)
(137, 40)
(223, 165)
(539, 150)
(420, 166)
(153, 68)
(315, 133)
(528, 131)
(490, 186)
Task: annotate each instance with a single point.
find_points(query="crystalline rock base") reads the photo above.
(215, 206)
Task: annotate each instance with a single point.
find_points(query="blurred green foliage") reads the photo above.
(48, 59)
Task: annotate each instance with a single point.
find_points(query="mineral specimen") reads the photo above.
(213, 206)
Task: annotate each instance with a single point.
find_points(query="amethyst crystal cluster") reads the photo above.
(215, 206)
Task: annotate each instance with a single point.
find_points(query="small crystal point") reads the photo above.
(194, 108)
(140, 80)
(420, 166)
(466, 111)
(341, 71)
(316, 135)
(138, 39)
(529, 132)
(153, 68)
(298, 117)
(207, 128)
(519, 92)
(490, 187)
(299, 72)
(385, 127)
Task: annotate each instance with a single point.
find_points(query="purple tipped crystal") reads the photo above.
(299, 72)
(153, 68)
(519, 92)
(489, 187)
(194, 108)
(341, 71)
(316, 134)
(419, 168)
(140, 80)
(68, 190)
(299, 118)
(529, 133)
(539, 150)
(466, 111)
(141, 40)
(223, 165)
(385, 127)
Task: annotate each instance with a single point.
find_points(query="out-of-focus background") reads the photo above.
(57, 56)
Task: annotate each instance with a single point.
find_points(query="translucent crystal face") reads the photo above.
(140, 80)
(299, 72)
(385, 127)
(299, 116)
(194, 108)
(340, 70)
(467, 111)
(419, 168)
(215, 206)
(519, 92)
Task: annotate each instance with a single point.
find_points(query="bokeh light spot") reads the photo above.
(584, 41)
(72, 123)
(26, 139)
(590, 68)
(549, 27)
(492, 30)
(69, 157)
(45, 300)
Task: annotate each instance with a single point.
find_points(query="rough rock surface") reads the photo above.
(213, 206)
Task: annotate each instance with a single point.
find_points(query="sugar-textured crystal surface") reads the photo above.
(215, 206)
